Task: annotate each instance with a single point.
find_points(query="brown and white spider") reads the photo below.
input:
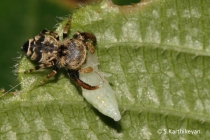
(48, 50)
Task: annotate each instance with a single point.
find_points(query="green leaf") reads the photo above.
(158, 54)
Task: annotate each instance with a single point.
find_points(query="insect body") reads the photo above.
(49, 51)
(102, 98)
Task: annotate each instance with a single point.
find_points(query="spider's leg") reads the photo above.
(53, 72)
(41, 66)
(74, 75)
(66, 29)
(48, 32)
(89, 37)
(86, 70)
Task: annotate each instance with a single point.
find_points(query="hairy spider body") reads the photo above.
(72, 54)
(49, 51)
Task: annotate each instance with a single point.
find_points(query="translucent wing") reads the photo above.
(102, 98)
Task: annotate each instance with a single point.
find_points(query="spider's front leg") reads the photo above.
(88, 38)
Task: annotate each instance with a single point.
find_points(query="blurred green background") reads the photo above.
(21, 20)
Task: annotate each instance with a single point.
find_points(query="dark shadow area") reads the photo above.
(64, 72)
(125, 2)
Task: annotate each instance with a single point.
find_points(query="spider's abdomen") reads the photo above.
(41, 48)
(72, 54)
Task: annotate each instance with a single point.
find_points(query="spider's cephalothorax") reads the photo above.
(49, 51)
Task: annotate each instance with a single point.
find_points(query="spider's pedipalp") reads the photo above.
(74, 75)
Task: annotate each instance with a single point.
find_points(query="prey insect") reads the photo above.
(49, 50)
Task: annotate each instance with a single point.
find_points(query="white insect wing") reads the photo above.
(102, 98)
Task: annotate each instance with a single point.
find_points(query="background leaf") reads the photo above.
(157, 52)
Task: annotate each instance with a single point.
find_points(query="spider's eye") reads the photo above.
(75, 36)
(25, 46)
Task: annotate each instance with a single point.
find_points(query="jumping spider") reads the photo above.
(48, 50)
